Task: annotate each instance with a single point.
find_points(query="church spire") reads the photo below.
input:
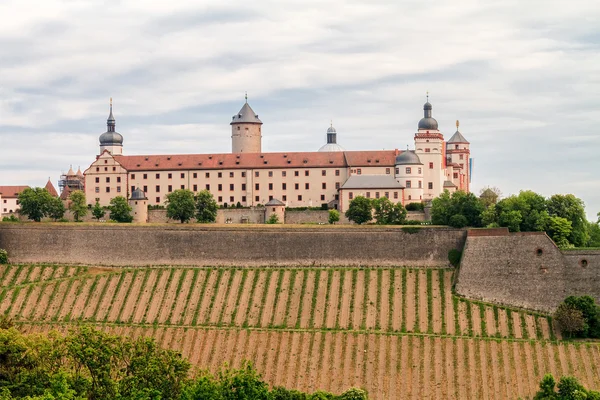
(110, 122)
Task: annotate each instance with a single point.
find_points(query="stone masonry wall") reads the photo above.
(113, 244)
(524, 270)
(234, 215)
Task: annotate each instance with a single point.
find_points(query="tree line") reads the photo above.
(91, 364)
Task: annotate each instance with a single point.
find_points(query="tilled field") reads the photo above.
(398, 332)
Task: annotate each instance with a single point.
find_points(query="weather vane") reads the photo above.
(246, 97)
(457, 124)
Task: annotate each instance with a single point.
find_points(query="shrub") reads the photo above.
(98, 212)
(458, 221)
(415, 207)
(181, 205)
(570, 319)
(12, 218)
(410, 229)
(3, 256)
(78, 204)
(206, 207)
(273, 219)
(360, 210)
(120, 211)
(454, 257)
(590, 312)
(334, 216)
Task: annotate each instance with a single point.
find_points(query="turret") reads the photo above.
(331, 141)
(430, 148)
(246, 135)
(409, 173)
(458, 155)
(111, 140)
(139, 206)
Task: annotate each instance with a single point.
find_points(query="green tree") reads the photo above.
(458, 221)
(98, 211)
(206, 207)
(334, 216)
(360, 210)
(273, 219)
(531, 208)
(56, 209)
(559, 229)
(388, 213)
(591, 314)
(445, 206)
(34, 203)
(441, 209)
(489, 196)
(573, 209)
(570, 319)
(511, 219)
(354, 394)
(181, 205)
(120, 210)
(243, 384)
(78, 205)
(594, 235)
(547, 389)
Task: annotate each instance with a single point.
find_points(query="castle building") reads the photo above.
(9, 199)
(247, 176)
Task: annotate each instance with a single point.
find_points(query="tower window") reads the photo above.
(387, 171)
(238, 128)
(430, 185)
(408, 170)
(430, 165)
(427, 150)
(456, 146)
(420, 184)
(337, 185)
(350, 195)
(420, 171)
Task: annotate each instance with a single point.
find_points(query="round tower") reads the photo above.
(409, 172)
(246, 135)
(111, 140)
(331, 144)
(275, 207)
(139, 206)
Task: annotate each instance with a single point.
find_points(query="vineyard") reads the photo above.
(398, 332)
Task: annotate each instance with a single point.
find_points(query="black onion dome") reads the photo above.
(111, 139)
(428, 122)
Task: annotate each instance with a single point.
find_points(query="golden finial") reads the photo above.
(111, 101)
(457, 124)
(428, 96)
(331, 122)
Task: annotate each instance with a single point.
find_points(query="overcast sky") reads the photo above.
(523, 78)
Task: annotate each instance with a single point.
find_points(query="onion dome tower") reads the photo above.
(111, 140)
(428, 123)
(429, 147)
(246, 135)
(331, 144)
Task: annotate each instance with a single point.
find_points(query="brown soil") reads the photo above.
(42, 303)
(70, 299)
(245, 299)
(204, 310)
(411, 311)
(47, 273)
(22, 275)
(131, 300)
(437, 302)
(283, 357)
(427, 381)
(371, 306)
(503, 323)
(416, 387)
(530, 323)
(119, 298)
(307, 300)
(108, 298)
(18, 303)
(313, 364)
(497, 374)
(381, 374)
(506, 377)
(208, 344)
(9, 276)
(35, 274)
(292, 361)
(450, 317)
(271, 356)
(476, 319)
(295, 299)
(58, 272)
(188, 342)
(190, 309)
(462, 368)
(269, 305)
(483, 370)
(359, 299)
(170, 296)
(545, 327)
(517, 325)
(518, 370)
(403, 377)
(98, 270)
(463, 323)
(219, 302)
(556, 329)
(437, 382)
(344, 318)
(532, 378)
(397, 301)
(78, 310)
(334, 300)
(282, 300)
(229, 301)
(57, 301)
(319, 312)
(490, 321)
(384, 306)
(303, 361)
(157, 298)
(146, 294)
(256, 301)
(423, 304)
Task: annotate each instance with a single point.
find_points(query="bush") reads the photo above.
(120, 211)
(415, 207)
(360, 210)
(12, 218)
(334, 216)
(273, 219)
(3, 256)
(590, 312)
(570, 319)
(458, 221)
(454, 257)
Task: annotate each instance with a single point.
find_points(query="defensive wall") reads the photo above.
(525, 270)
(136, 245)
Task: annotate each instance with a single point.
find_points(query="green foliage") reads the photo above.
(98, 211)
(454, 257)
(444, 207)
(56, 209)
(334, 216)
(559, 229)
(594, 235)
(573, 209)
(34, 203)
(489, 196)
(3, 256)
(458, 221)
(591, 315)
(415, 207)
(388, 213)
(570, 319)
(525, 212)
(360, 210)
(273, 219)
(511, 219)
(12, 218)
(181, 205)
(78, 204)
(120, 210)
(353, 394)
(206, 207)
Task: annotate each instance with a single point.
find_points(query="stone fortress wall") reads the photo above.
(176, 244)
(525, 270)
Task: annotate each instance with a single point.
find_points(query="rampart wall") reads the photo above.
(173, 244)
(525, 270)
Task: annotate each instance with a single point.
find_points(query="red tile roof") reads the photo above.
(11, 192)
(384, 158)
(51, 189)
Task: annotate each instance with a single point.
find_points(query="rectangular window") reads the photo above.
(420, 171)
(256, 198)
(270, 174)
(386, 195)
(256, 174)
(231, 199)
(323, 172)
(408, 184)
(182, 175)
(299, 197)
(208, 187)
(376, 195)
(118, 189)
(350, 195)
(296, 186)
(145, 189)
(220, 199)
(408, 170)
(219, 174)
(118, 179)
(397, 171)
(132, 189)
(430, 165)
(306, 186)
(107, 189)
(243, 187)
(455, 175)
(145, 176)
(283, 186)
(427, 150)
(97, 179)
(270, 186)
(323, 185)
(395, 195)
(322, 197)
(430, 185)
(132, 176)
(256, 186)
(337, 185)
(157, 189)
(231, 174)
(243, 174)
(195, 175)
(243, 199)
(97, 190)
(158, 199)
(158, 176)
(231, 187)
(284, 197)
(306, 173)
(337, 172)
(195, 188)
(358, 171)
(296, 173)
(271, 198)
(182, 187)
(219, 187)
(368, 195)
(420, 184)
(283, 173)
(461, 156)
(387, 171)
(207, 175)
(97, 169)
(107, 179)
